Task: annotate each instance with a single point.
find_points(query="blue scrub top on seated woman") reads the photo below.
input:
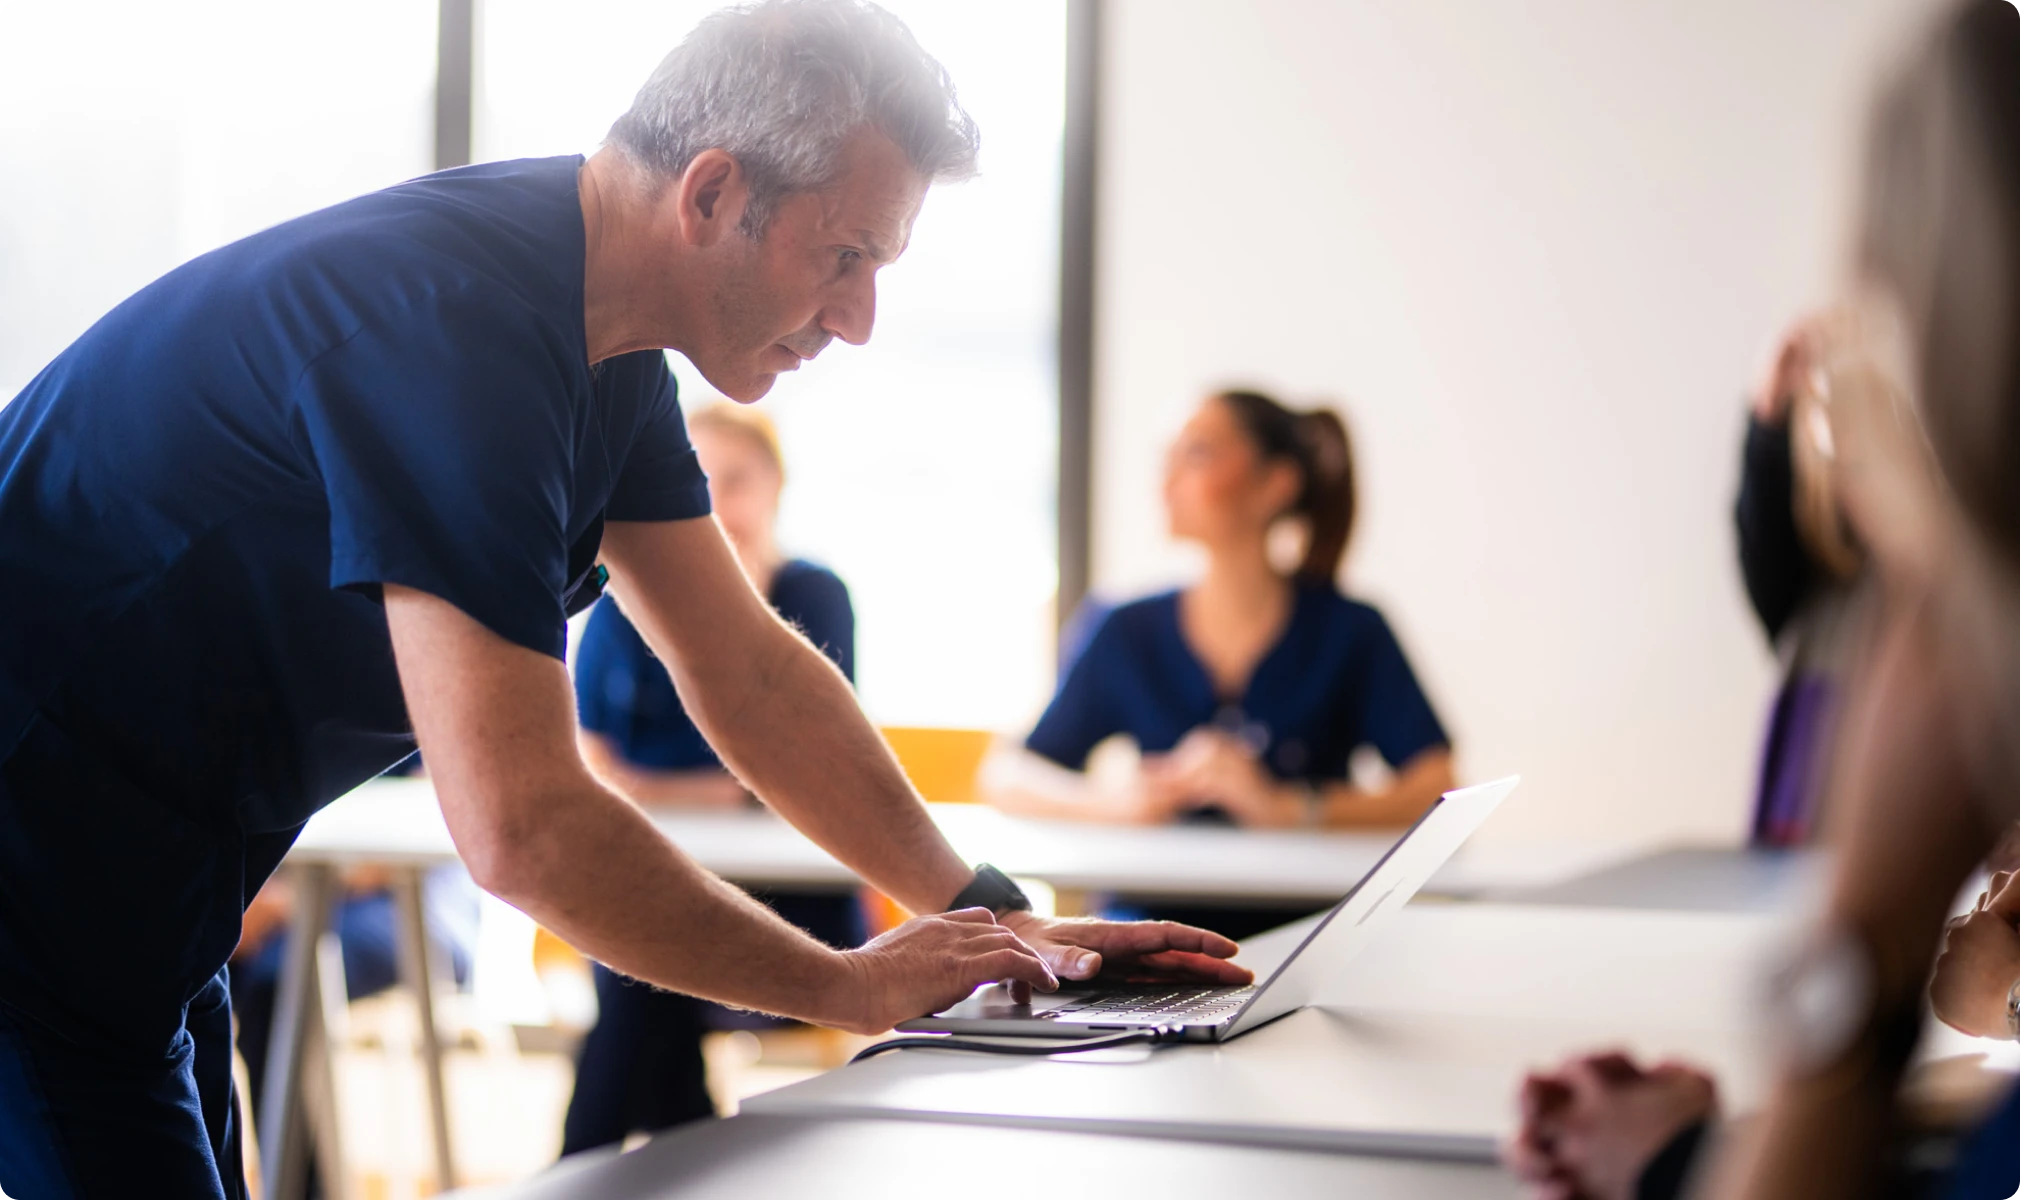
(1335, 680)
(623, 692)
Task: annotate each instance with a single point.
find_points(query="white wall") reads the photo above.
(1536, 251)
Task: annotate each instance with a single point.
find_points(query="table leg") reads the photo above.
(416, 971)
(328, 1020)
(281, 1124)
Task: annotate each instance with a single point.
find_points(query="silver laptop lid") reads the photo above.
(1359, 916)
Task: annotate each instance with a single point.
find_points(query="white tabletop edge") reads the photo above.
(1385, 1143)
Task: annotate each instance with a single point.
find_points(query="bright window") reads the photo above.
(921, 465)
(135, 135)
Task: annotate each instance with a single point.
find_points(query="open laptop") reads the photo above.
(1215, 1014)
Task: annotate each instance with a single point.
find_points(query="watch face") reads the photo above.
(1823, 999)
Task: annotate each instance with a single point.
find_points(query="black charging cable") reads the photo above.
(1135, 1037)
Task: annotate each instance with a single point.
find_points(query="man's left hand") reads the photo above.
(1079, 948)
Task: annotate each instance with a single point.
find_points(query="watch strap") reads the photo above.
(993, 890)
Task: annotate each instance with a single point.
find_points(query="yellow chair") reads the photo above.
(942, 763)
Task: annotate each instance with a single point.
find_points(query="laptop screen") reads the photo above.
(1354, 922)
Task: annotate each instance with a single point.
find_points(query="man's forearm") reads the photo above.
(780, 715)
(647, 910)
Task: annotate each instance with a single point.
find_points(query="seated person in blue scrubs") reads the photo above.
(640, 1069)
(329, 494)
(1247, 692)
(1925, 769)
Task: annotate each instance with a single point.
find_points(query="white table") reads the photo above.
(1416, 1050)
(1689, 879)
(751, 1156)
(397, 823)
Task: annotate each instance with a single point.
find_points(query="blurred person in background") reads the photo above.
(640, 1069)
(1248, 692)
(1927, 766)
(1604, 1125)
(1802, 564)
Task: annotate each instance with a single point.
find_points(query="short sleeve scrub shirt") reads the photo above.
(199, 502)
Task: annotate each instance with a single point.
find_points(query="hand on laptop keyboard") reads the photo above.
(1080, 948)
(1172, 1006)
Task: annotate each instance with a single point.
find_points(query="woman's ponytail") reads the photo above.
(1317, 442)
(1328, 500)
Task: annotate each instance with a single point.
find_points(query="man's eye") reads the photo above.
(851, 256)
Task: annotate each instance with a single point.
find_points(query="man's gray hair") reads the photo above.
(782, 84)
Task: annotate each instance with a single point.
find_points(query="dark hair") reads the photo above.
(1316, 442)
(1942, 228)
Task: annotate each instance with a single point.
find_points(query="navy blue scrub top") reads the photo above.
(623, 692)
(199, 501)
(1334, 681)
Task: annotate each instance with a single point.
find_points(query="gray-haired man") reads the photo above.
(337, 486)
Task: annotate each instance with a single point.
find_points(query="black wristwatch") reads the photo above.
(993, 890)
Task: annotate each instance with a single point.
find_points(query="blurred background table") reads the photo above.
(397, 822)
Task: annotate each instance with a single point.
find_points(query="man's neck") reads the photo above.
(628, 302)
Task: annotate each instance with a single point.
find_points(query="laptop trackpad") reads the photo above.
(993, 1002)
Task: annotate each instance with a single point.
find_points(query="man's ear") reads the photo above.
(710, 197)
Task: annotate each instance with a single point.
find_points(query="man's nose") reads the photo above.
(851, 315)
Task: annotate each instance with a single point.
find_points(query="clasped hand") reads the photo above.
(933, 962)
(1592, 1126)
(1980, 962)
(1212, 767)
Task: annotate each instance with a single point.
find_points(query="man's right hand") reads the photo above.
(927, 964)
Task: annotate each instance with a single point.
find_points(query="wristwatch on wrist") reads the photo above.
(2013, 1011)
(993, 890)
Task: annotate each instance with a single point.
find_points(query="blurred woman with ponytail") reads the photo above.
(1247, 692)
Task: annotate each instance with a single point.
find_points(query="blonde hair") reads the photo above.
(749, 424)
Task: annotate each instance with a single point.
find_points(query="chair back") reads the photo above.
(941, 763)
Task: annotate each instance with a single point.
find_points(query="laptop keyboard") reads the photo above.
(1165, 1006)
